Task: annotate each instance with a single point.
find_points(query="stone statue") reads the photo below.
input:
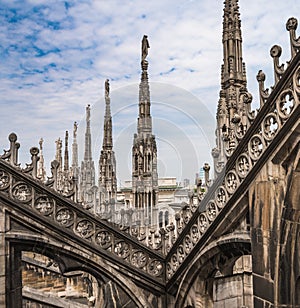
(145, 47)
(88, 113)
(41, 143)
(58, 144)
(75, 130)
(106, 87)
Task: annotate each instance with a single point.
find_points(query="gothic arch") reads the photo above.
(219, 255)
(70, 259)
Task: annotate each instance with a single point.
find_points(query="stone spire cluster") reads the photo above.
(144, 150)
(81, 180)
(107, 162)
(64, 175)
(233, 112)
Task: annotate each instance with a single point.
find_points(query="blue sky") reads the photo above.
(56, 55)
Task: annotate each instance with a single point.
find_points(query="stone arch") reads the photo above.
(219, 256)
(69, 259)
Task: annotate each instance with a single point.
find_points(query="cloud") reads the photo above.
(56, 56)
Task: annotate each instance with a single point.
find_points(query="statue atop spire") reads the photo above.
(144, 151)
(75, 127)
(107, 136)
(106, 88)
(107, 163)
(145, 47)
(88, 146)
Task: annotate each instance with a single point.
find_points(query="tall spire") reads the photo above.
(88, 138)
(107, 134)
(233, 68)
(87, 179)
(144, 150)
(66, 157)
(107, 161)
(58, 155)
(144, 120)
(234, 102)
(74, 172)
(74, 167)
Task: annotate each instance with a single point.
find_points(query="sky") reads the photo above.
(56, 55)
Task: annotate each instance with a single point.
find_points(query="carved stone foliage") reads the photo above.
(22, 192)
(4, 180)
(221, 197)
(270, 126)
(122, 249)
(84, 228)
(256, 147)
(65, 217)
(243, 165)
(155, 268)
(139, 259)
(44, 205)
(104, 239)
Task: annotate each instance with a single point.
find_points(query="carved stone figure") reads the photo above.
(75, 130)
(145, 47)
(106, 87)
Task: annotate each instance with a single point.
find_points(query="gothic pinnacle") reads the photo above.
(107, 134)
(88, 145)
(107, 162)
(234, 69)
(144, 120)
(75, 151)
(66, 158)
